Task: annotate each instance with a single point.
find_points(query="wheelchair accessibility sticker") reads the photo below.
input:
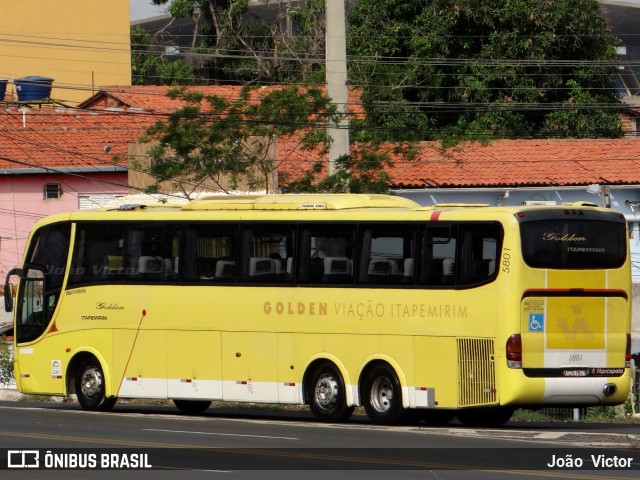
(536, 322)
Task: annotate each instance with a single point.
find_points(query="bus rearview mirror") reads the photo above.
(10, 289)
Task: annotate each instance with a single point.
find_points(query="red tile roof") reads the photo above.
(55, 138)
(152, 98)
(501, 163)
(62, 138)
(523, 163)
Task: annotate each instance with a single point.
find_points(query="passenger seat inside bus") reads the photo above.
(383, 270)
(154, 266)
(448, 271)
(337, 269)
(225, 269)
(289, 268)
(262, 269)
(492, 267)
(113, 264)
(407, 271)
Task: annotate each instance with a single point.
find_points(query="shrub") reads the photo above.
(6, 363)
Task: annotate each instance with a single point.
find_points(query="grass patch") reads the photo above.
(522, 415)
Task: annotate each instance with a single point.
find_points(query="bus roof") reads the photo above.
(301, 202)
(345, 207)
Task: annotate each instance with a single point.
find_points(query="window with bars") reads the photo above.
(52, 191)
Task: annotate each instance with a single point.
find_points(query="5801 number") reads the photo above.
(506, 260)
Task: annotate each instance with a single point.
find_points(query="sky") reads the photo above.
(144, 9)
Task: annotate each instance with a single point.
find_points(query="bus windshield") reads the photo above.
(573, 244)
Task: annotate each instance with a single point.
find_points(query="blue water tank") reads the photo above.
(3, 88)
(33, 88)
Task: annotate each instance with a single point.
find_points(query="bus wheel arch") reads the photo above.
(85, 378)
(381, 393)
(325, 391)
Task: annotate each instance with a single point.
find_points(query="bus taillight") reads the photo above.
(627, 355)
(514, 351)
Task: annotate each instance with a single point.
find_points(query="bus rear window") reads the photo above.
(573, 244)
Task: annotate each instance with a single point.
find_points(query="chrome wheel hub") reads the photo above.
(326, 391)
(91, 383)
(381, 394)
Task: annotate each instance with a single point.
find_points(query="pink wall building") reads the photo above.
(25, 198)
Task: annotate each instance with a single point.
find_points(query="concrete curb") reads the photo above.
(13, 395)
(10, 394)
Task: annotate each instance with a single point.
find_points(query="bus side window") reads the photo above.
(438, 265)
(479, 251)
(387, 254)
(209, 253)
(98, 254)
(152, 251)
(267, 253)
(326, 254)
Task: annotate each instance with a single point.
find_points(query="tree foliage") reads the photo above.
(232, 43)
(212, 140)
(449, 70)
(150, 66)
(472, 69)
(363, 171)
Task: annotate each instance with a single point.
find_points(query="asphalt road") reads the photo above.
(263, 444)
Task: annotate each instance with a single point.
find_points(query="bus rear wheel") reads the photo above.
(485, 417)
(327, 395)
(192, 407)
(382, 396)
(90, 389)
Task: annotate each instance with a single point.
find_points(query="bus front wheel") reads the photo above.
(192, 407)
(90, 388)
(382, 396)
(327, 395)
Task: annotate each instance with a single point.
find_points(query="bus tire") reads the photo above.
(326, 395)
(89, 386)
(382, 396)
(485, 417)
(192, 407)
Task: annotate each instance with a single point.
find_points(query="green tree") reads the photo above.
(427, 70)
(229, 42)
(469, 69)
(364, 170)
(149, 65)
(6, 362)
(215, 140)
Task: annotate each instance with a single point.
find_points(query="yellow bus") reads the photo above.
(335, 301)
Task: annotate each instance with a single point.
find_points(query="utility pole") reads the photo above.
(336, 76)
